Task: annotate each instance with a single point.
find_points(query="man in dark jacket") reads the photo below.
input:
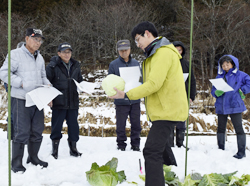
(180, 128)
(125, 108)
(61, 71)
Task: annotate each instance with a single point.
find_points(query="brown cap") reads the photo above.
(123, 44)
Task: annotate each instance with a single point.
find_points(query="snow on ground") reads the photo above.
(203, 157)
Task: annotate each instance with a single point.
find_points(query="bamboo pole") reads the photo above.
(9, 89)
(189, 82)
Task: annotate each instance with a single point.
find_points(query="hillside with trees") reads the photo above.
(94, 26)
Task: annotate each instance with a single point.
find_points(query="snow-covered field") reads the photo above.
(203, 157)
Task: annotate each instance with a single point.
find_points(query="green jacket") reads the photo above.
(163, 84)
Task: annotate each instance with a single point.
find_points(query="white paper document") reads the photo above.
(220, 84)
(85, 86)
(131, 76)
(185, 76)
(41, 96)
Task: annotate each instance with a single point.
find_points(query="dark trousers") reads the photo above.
(181, 126)
(28, 122)
(157, 147)
(12, 126)
(236, 120)
(122, 113)
(58, 117)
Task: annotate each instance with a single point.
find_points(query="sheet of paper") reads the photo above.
(41, 96)
(185, 75)
(85, 86)
(131, 76)
(220, 84)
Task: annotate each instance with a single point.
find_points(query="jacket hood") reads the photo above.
(236, 62)
(164, 42)
(179, 43)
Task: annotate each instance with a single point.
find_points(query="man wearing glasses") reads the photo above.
(27, 73)
(165, 98)
(62, 71)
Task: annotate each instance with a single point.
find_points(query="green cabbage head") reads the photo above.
(112, 81)
(105, 175)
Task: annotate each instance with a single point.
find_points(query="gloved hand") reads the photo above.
(241, 94)
(218, 93)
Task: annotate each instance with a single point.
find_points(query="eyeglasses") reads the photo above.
(37, 40)
(138, 38)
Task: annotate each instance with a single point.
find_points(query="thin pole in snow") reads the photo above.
(9, 89)
(102, 128)
(189, 82)
(88, 130)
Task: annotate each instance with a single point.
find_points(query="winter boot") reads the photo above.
(73, 149)
(17, 157)
(33, 148)
(221, 140)
(241, 141)
(55, 145)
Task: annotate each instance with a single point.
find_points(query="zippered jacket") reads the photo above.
(25, 70)
(163, 84)
(185, 68)
(63, 81)
(114, 69)
(231, 102)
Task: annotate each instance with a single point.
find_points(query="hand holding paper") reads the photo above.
(219, 93)
(131, 76)
(241, 94)
(85, 86)
(41, 96)
(220, 84)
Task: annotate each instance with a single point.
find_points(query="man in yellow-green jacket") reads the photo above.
(165, 98)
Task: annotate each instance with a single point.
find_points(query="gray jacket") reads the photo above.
(25, 70)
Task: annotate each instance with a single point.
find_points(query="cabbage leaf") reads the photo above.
(243, 180)
(142, 177)
(189, 181)
(196, 179)
(169, 176)
(105, 175)
(212, 179)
